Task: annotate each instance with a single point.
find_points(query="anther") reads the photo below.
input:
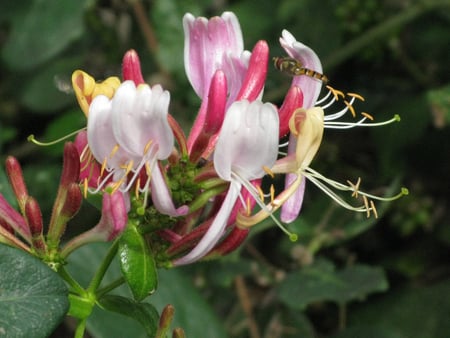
(350, 107)
(272, 193)
(336, 93)
(355, 187)
(85, 187)
(248, 207)
(114, 151)
(366, 205)
(260, 193)
(136, 188)
(147, 146)
(268, 171)
(367, 115)
(102, 170)
(356, 96)
(374, 210)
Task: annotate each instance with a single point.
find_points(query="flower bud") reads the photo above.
(14, 171)
(131, 67)
(8, 215)
(34, 218)
(71, 165)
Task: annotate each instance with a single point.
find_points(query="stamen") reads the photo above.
(248, 207)
(357, 96)
(374, 210)
(366, 205)
(350, 107)
(85, 187)
(318, 103)
(147, 146)
(285, 144)
(272, 193)
(32, 139)
(336, 93)
(114, 151)
(268, 171)
(355, 187)
(367, 115)
(260, 193)
(137, 186)
(251, 188)
(103, 168)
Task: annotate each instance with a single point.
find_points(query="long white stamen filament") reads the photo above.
(255, 194)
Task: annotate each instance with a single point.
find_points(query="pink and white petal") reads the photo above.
(100, 135)
(310, 87)
(206, 43)
(292, 207)
(161, 195)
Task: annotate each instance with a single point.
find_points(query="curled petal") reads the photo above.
(161, 195)
(292, 206)
(86, 88)
(309, 59)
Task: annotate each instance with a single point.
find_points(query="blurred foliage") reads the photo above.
(334, 281)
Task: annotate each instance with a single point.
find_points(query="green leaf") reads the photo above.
(144, 313)
(137, 264)
(174, 288)
(33, 298)
(409, 313)
(321, 282)
(42, 32)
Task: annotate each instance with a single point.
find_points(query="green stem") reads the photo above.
(118, 282)
(383, 29)
(342, 308)
(72, 282)
(97, 279)
(81, 327)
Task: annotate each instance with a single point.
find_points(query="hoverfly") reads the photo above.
(294, 67)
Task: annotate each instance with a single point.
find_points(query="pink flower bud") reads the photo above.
(255, 77)
(71, 165)
(14, 171)
(131, 67)
(33, 216)
(10, 216)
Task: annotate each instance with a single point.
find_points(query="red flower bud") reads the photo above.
(33, 216)
(14, 171)
(131, 67)
(71, 165)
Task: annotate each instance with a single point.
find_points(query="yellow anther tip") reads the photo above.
(405, 191)
(397, 118)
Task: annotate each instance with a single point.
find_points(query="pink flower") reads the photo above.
(310, 88)
(248, 141)
(130, 133)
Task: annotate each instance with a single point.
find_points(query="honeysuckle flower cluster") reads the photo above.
(197, 196)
